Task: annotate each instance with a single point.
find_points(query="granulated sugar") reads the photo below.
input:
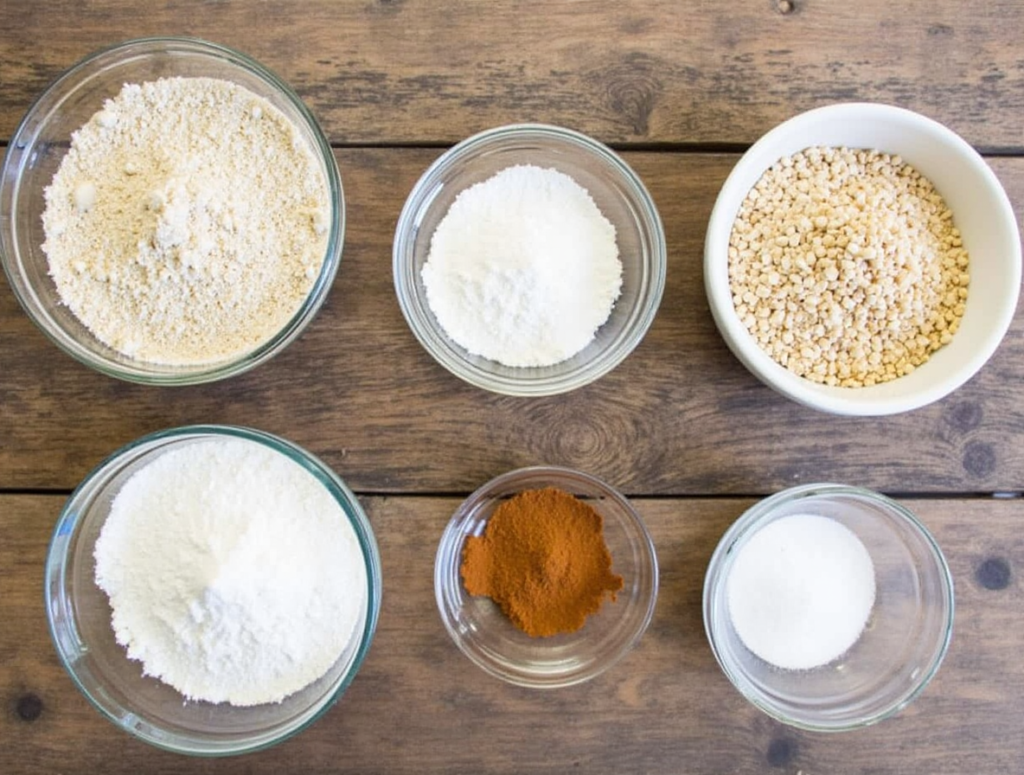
(800, 591)
(233, 574)
(187, 222)
(523, 268)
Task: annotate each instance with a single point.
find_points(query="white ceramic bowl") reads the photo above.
(981, 210)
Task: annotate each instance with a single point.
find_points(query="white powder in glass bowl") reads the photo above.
(233, 574)
(523, 268)
(801, 590)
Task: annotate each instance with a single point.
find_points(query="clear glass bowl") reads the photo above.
(905, 638)
(491, 641)
(39, 145)
(79, 616)
(616, 190)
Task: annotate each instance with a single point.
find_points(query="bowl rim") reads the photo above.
(453, 536)
(420, 318)
(747, 523)
(874, 400)
(18, 154)
(57, 564)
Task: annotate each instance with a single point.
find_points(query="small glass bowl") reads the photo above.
(618, 193)
(902, 645)
(492, 642)
(39, 145)
(79, 617)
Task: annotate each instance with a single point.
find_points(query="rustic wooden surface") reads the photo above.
(661, 71)
(681, 88)
(680, 416)
(418, 705)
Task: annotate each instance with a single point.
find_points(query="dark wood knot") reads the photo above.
(386, 6)
(993, 573)
(29, 707)
(781, 752)
(964, 416)
(979, 459)
(631, 88)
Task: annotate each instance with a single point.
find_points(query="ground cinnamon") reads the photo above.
(544, 561)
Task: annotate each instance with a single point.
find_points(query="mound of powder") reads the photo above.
(187, 222)
(523, 268)
(232, 573)
(800, 591)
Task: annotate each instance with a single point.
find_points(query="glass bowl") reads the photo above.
(79, 617)
(981, 211)
(618, 193)
(39, 145)
(492, 642)
(903, 642)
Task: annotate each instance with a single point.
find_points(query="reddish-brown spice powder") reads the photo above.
(543, 559)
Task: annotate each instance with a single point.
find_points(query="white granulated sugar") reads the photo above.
(232, 573)
(523, 268)
(187, 222)
(800, 591)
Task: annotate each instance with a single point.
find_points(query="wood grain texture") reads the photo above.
(401, 71)
(419, 706)
(680, 416)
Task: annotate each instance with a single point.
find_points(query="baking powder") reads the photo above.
(523, 268)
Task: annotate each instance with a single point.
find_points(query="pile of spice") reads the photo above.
(188, 221)
(523, 269)
(800, 591)
(543, 559)
(233, 574)
(846, 267)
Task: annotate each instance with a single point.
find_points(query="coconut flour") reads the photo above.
(187, 222)
(523, 268)
(232, 573)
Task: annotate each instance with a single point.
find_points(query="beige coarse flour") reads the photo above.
(187, 222)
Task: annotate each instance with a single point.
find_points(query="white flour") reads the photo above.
(187, 222)
(801, 590)
(232, 573)
(523, 268)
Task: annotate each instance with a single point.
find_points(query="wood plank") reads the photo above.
(679, 416)
(419, 706)
(387, 71)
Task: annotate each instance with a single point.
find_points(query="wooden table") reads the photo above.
(681, 89)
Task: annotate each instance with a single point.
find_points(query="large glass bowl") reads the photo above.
(618, 193)
(79, 616)
(39, 145)
(491, 641)
(902, 645)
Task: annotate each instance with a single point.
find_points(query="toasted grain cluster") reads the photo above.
(846, 267)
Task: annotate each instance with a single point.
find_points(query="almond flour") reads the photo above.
(187, 222)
